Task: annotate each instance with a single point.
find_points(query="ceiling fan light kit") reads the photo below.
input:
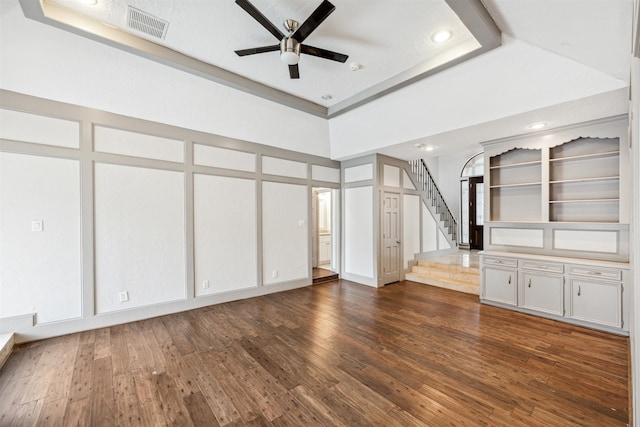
(289, 51)
(291, 45)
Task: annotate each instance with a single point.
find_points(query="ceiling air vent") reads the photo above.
(148, 24)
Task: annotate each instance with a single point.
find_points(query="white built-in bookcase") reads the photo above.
(574, 179)
(557, 239)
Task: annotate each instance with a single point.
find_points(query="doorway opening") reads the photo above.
(324, 234)
(472, 203)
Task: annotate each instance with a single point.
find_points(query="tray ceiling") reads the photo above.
(389, 42)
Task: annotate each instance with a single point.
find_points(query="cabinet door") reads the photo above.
(325, 249)
(500, 285)
(597, 301)
(543, 292)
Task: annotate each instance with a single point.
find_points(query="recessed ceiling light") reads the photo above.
(425, 147)
(327, 97)
(536, 126)
(441, 36)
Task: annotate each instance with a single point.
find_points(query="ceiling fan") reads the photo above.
(291, 46)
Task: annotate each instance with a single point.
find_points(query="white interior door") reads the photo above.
(391, 238)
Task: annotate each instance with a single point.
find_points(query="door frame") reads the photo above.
(473, 181)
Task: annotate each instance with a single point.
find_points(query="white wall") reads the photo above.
(410, 227)
(131, 220)
(40, 271)
(429, 231)
(47, 62)
(225, 235)
(139, 236)
(486, 88)
(635, 220)
(358, 233)
(446, 172)
(285, 232)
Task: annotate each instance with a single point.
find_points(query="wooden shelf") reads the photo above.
(586, 156)
(523, 184)
(515, 165)
(591, 179)
(584, 201)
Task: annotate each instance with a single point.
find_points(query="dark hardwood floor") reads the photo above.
(336, 354)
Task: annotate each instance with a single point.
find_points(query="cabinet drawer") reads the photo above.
(542, 266)
(596, 272)
(502, 262)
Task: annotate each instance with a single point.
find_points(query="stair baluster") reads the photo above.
(428, 186)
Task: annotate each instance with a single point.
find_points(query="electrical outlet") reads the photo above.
(274, 273)
(205, 284)
(301, 223)
(124, 296)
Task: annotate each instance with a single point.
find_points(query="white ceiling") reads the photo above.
(389, 40)
(582, 51)
(211, 30)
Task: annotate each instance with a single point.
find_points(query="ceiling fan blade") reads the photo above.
(315, 19)
(254, 50)
(294, 73)
(323, 53)
(258, 16)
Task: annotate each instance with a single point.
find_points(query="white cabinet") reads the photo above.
(576, 291)
(500, 279)
(324, 250)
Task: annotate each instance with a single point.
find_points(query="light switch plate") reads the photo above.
(37, 225)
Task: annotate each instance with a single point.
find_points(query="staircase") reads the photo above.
(458, 271)
(434, 200)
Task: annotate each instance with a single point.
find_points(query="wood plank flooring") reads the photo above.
(336, 354)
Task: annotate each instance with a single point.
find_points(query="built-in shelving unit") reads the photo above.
(515, 181)
(584, 177)
(557, 236)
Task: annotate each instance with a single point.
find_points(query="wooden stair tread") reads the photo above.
(466, 287)
(6, 345)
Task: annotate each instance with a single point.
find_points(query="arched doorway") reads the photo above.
(472, 203)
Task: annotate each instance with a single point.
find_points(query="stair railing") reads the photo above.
(428, 186)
